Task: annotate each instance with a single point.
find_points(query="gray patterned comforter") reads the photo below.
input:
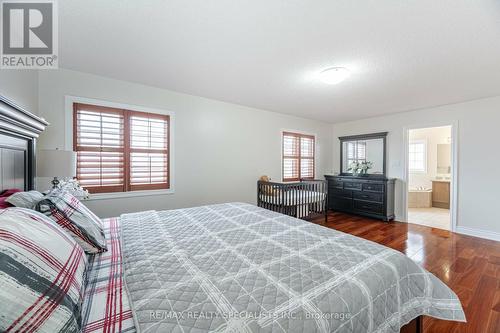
(239, 268)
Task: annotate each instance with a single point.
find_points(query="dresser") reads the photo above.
(366, 196)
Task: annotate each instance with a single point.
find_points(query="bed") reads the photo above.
(236, 267)
(19, 131)
(305, 199)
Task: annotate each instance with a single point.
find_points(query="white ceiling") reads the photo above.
(403, 54)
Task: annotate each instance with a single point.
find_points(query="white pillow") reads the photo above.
(25, 199)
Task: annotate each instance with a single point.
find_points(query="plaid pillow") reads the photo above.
(83, 225)
(41, 274)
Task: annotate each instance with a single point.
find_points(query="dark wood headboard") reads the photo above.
(19, 130)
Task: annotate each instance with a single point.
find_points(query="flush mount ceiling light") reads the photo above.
(334, 75)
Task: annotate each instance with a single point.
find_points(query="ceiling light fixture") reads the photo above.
(334, 75)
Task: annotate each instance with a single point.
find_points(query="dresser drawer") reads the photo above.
(337, 203)
(374, 188)
(335, 192)
(333, 183)
(353, 186)
(369, 196)
(369, 207)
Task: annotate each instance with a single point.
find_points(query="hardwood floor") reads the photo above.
(468, 265)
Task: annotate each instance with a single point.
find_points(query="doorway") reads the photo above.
(430, 174)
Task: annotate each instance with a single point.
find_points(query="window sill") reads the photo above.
(117, 195)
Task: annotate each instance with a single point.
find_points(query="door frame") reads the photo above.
(454, 167)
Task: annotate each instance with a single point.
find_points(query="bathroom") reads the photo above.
(429, 169)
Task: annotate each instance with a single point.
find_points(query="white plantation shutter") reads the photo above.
(361, 150)
(356, 151)
(291, 145)
(148, 151)
(351, 152)
(306, 157)
(121, 150)
(99, 143)
(298, 156)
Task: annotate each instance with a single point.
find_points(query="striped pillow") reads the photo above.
(41, 274)
(83, 225)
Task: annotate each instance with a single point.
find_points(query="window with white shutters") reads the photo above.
(298, 156)
(121, 150)
(356, 151)
(148, 151)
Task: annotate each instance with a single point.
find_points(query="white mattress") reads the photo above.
(293, 198)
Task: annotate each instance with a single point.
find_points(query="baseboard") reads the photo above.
(478, 233)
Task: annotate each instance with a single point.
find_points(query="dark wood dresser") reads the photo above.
(367, 196)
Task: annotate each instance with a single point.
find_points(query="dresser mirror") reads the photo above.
(363, 155)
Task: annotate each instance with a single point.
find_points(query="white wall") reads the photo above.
(478, 123)
(20, 86)
(433, 137)
(220, 149)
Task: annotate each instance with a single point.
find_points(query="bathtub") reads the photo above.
(419, 198)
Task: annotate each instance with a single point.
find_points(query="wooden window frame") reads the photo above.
(299, 156)
(126, 150)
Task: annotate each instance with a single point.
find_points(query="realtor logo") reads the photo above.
(29, 34)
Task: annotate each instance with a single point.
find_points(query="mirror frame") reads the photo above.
(381, 135)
